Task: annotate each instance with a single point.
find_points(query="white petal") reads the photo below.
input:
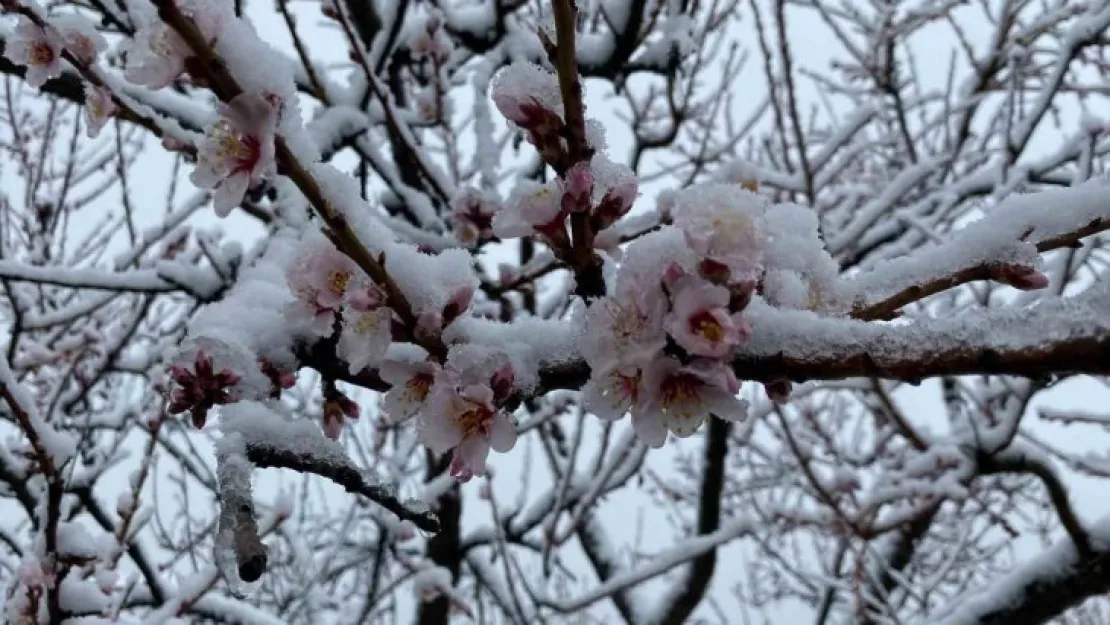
(725, 406)
(604, 400)
(502, 435)
(230, 193)
(683, 420)
(647, 422)
(473, 453)
(439, 433)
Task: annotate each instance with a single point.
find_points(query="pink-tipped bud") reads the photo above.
(578, 187)
(458, 304)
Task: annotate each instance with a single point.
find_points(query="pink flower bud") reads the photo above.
(367, 299)
(428, 324)
(577, 188)
(457, 305)
(778, 391)
(502, 383)
(1031, 281)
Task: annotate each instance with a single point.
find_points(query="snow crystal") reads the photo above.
(82, 596)
(428, 281)
(342, 191)
(522, 81)
(531, 343)
(75, 540)
(269, 425)
(248, 323)
(806, 335)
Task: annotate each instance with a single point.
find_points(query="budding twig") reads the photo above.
(226, 87)
(237, 513)
(586, 263)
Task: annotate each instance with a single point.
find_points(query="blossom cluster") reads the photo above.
(660, 344)
(597, 187)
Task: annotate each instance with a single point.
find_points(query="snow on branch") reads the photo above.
(1057, 336)
(166, 278)
(1004, 245)
(660, 564)
(273, 440)
(1039, 589)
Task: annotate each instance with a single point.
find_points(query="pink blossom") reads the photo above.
(430, 41)
(457, 304)
(778, 391)
(1023, 278)
(37, 49)
(33, 574)
(431, 583)
(616, 188)
(609, 241)
(404, 531)
(238, 151)
(367, 329)
(679, 398)
(158, 54)
(611, 394)
(531, 208)
(80, 37)
(427, 103)
(472, 216)
(467, 421)
(578, 189)
(501, 382)
(320, 279)
(722, 224)
(201, 388)
(625, 328)
(336, 407)
(99, 108)
(526, 94)
(410, 383)
(700, 322)
(429, 323)
(616, 203)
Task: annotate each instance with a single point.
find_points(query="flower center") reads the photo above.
(474, 421)
(705, 324)
(237, 150)
(338, 281)
(680, 390)
(159, 42)
(733, 226)
(416, 389)
(367, 323)
(41, 53)
(628, 322)
(626, 386)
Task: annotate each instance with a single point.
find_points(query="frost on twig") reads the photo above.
(1004, 246)
(272, 440)
(238, 529)
(1039, 589)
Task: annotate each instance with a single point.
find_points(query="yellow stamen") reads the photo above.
(41, 53)
(338, 281)
(473, 420)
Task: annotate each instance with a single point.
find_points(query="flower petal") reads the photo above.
(230, 193)
(502, 435)
(439, 433)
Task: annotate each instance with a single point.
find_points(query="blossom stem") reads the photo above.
(587, 265)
